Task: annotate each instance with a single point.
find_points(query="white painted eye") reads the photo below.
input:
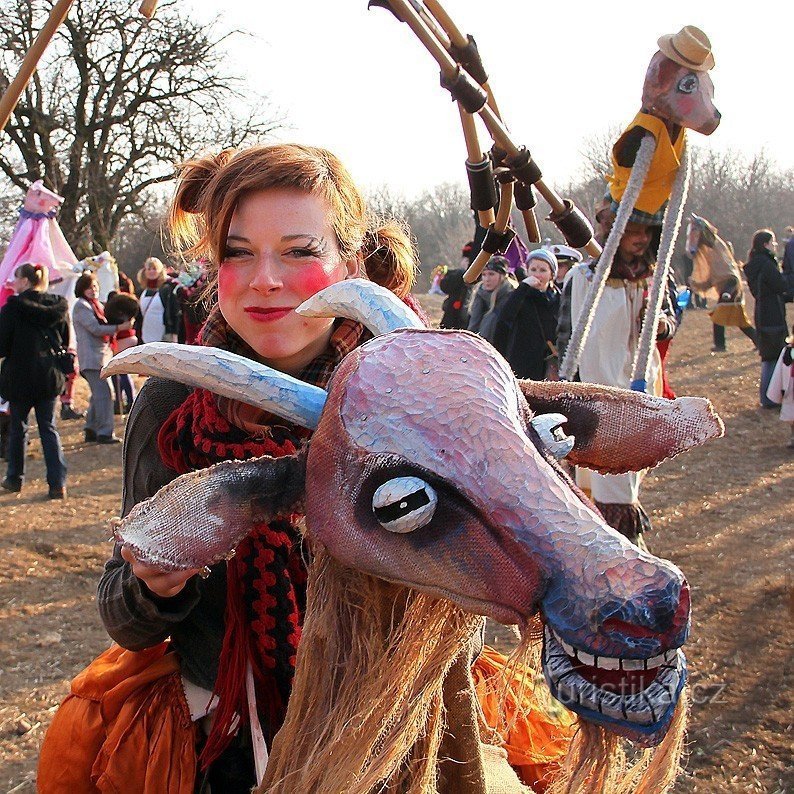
(549, 428)
(404, 504)
(688, 84)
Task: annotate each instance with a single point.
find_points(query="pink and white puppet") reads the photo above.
(38, 239)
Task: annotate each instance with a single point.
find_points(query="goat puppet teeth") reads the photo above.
(637, 696)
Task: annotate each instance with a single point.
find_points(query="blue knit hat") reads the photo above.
(547, 256)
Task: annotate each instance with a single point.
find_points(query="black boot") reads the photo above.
(67, 412)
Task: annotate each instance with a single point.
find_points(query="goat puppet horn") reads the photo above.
(380, 310)
(226, 374)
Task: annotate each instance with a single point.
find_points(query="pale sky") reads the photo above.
(358, 82)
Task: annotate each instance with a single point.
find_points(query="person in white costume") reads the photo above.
(609, 352)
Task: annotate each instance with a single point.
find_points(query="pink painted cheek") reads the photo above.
(229, 279)
(310, 279)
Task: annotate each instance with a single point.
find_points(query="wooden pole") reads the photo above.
(475, 155)
(14, 91)
(457, 37)
(147, 8)
(531, 225)
(502, 219)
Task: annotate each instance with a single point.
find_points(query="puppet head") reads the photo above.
(677, 86)
(40, 200)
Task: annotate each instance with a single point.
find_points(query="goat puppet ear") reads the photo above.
(617, 430)
(199, 518)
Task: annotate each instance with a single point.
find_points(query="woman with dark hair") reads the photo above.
(94, 335)
(33, 326)
(769, 290)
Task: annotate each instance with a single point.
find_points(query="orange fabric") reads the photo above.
(537, 736)
(124, 727)
(664, 165)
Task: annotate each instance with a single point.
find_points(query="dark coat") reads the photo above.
(32, 325)
(788, 265)
(455, 307)
(525, 322)
(769, 290)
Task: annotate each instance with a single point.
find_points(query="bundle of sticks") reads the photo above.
(507, 163)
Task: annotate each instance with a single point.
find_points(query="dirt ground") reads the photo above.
(724, 513)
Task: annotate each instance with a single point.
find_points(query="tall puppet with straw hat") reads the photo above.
(616, 309)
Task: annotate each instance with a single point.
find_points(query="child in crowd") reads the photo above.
(122, 307)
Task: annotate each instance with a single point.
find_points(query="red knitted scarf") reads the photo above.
(266, 578)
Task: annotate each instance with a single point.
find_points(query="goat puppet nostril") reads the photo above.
(628, 629)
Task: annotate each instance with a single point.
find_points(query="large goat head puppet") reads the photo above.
(433, 474)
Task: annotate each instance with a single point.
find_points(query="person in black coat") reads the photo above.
(456, 305)
(769, 289)
(33, 325)
(527, 323)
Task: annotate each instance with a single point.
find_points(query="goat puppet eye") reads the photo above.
(404, 504)
(554, 438)
(688, 84)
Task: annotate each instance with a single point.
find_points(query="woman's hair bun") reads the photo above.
(194, 175)
(389, 256)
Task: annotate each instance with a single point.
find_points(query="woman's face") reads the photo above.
(280, 250)
(151, 271)
(491, 280)
(541, 271)
(90, 293)
(771, 245)
(20, 284)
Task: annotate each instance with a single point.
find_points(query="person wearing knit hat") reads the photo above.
(496, 285)
(526, 326)
(544, 255)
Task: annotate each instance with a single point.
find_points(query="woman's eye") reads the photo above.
(235, 253)
(404, 504)
(303, 253)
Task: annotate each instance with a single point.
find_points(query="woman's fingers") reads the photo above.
(164, 584)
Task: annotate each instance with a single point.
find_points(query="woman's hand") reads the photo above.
(125, 326)
(164, 584)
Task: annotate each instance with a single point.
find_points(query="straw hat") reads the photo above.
(689, 47)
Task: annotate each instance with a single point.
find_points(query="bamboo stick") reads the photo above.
(502, 219)
(147, 8)
(14, 91)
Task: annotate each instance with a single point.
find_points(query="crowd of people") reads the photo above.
(45, 346)
(527, 313)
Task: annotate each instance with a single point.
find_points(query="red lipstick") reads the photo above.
(267, 314)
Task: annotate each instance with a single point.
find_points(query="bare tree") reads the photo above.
(114, 104)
